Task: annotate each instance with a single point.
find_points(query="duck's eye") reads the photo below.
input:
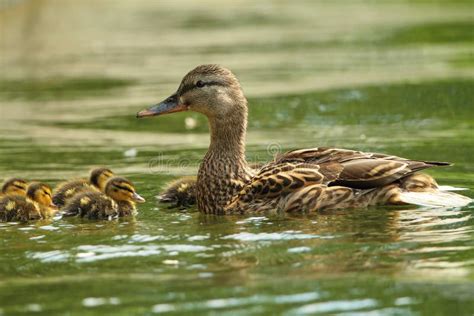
(200, 84)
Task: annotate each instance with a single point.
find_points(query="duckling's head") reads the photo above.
(208, 89)
(122, 190)
(40, 193)
(99, 177)
(15, 186)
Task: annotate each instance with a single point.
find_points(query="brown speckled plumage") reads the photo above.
(36, 204)
(126, 208)
(300, 180)
(91, 205)
(117, 201)
(66, 190)
(16, 208)
(14, 186)
(180, 193)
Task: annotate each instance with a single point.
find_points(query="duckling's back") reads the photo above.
(91, 205)
(67, 190)
(180, 193)
(16, 208)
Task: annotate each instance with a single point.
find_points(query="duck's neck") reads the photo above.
(228, 139)
(126, 208)
(46, 211)
(224, 168)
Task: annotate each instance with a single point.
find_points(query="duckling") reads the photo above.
(42, 194)
(181, 193)
(37, 204)
(124, 193)
(14, 186)
(91, 205)
(118, 200)
(66, 190)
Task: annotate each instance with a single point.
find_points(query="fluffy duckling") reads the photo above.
(66, 190)
(14, 186)
(118, 201)
(91, 205)
(37, 204)
(180, 193)
(123, 192)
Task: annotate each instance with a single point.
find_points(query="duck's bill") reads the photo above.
(170, 105)
(137, 198)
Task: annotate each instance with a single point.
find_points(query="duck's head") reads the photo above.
(41, 194)
(15, 186)
(122, 190)
(208, 89)
(99, 177)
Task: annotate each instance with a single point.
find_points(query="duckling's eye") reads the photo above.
(200, 84)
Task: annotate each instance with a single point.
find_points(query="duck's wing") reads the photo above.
(360, 170)
(279, 179)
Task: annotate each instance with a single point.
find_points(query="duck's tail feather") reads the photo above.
(435, 199)
(451, 188)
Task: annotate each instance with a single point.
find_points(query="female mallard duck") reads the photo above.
(180, 193)
(118, 201)
(66, 190)
(37, 204)
(14, 186)
(306, 179)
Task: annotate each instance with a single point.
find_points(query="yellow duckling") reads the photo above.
(14, 186)
(123, 192)
(180, 193)
(66, 190)
(118, 201)
(37, 204)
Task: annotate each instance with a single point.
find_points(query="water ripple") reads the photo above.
(253, 220)
(146, 238)
(286, 235)
(221, 303)
(49, 256)
(92, 253)
(299, 249)
(333, 306)
(99, 301)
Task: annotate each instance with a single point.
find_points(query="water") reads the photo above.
(394, 77)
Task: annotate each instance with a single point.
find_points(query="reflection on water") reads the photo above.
(449, 225)
(286, 235)
(378, 76)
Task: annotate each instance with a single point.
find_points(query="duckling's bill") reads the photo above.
(170, 105)
(138, 198)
